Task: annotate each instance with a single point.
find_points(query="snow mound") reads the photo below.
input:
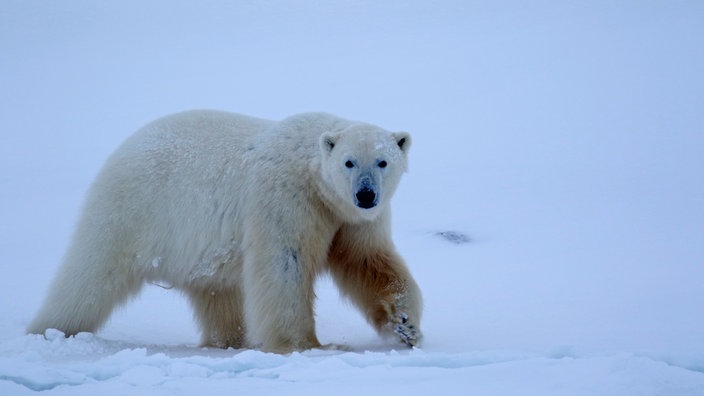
(87, 364)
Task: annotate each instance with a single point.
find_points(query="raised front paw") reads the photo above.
(407, 332)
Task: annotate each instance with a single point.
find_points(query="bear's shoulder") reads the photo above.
(314, 122)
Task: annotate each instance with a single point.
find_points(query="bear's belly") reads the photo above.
(220, 268)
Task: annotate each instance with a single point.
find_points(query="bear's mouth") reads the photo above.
(366, 198)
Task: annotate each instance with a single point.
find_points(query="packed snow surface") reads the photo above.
(553, 214)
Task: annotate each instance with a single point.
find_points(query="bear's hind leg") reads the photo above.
(83, 295)
(219, 313)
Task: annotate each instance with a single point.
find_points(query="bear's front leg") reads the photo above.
(395, 317)
(278, 300)
(387, 294)
(368, 270)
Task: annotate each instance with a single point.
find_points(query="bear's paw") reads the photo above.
(406, 331)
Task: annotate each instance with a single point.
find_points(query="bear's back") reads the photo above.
(197, 131)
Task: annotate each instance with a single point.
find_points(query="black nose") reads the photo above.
(366, 198)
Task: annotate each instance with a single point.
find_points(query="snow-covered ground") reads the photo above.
(564, 139)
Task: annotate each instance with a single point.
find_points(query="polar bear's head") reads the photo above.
(362, 166)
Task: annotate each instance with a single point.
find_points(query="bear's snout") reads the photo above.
(366, 198)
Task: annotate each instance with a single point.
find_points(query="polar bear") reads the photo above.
(242, 214)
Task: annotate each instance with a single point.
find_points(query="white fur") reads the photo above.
(238, 212)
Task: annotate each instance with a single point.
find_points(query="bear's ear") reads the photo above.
(328, 141)
(403, 139)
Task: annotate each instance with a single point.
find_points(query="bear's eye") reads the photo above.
(349, 164)
(382, 164)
